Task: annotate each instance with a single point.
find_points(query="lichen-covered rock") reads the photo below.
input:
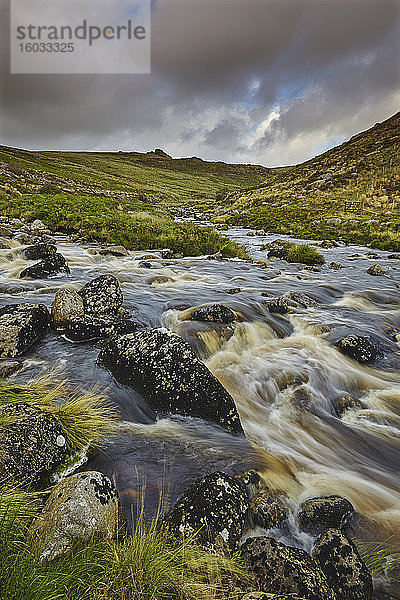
(39, 251)
(280, 569)
(326, 512)
(80, 507)
(213, 510)
(161, 365)
(300, 299)
(47, 266)
(86, 327)
(344, 570)
(277, 305)
(359, 348)
(114, 251)
(376, 270)
(269, 509)
(335, 266)
(67, 305)
(277, 249)
(217, 313)
(32, 443)
(102, 297)
(21, 326)
(341, 404)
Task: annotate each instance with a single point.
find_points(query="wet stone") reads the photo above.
(278, 306)
(360, 348)
(67, 305)
(344, 570)
(342, 404)
(21, 326)
(217, 313)
(163, 367)
(30, 445)
(318, 514)
(376, 270)
(269, 510)
(213, 510)
(114, 251)
(102, 296)
(281, 569)
(48, 266)
(39, 251)
(85, 328)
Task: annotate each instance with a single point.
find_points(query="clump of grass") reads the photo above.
(147, 566)
(85, 417)
(304, 253)
(378, 556)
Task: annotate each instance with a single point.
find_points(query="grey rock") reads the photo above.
(161, 365)
(317, 514)
(32, 444)
(278, 306)
(114, 251)
(345, 572)
(80, 507)
(67, 305)
(21, 326)
(102, 297)
(213, 510)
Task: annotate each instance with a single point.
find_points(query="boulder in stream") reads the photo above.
(32, 444)
(341, 563)
(325, 512)
(21, 326)
(84, 328)
(376, 270)
(51, 265)
(269, 509)
(114, 251)
(102, 297)
(343, 403)
(278, 306)
(360, 348)
(162, 366)
(79, 507)
(216, 313)
(39, 251)
(281, 569)
(67, 305)
(213, 510)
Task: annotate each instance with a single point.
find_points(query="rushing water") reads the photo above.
(296, 441)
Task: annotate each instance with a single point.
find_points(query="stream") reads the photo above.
(295, 440)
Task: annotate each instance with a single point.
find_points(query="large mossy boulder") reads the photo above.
(341, 563)
(102, 297)
(326, 512)
(163, 367)
(51, 265)
(21, 326)
(32, 443)
(67, 305)
(79, 507)
(280, 569)
(360, 348)
(213, 510)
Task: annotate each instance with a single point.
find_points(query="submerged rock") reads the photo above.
(344, 570)
(278, 306)
(67, 305)
(21, 326)
(85, 327)
(217, 313)
(280, 569)
(326, 512)
(376, 270)
(300, 299)
(161, 365)
(80, 507)
(341, 404)
(213, 510)
(102, 297)
(335, 266)
(359, 348)
(39, 251)
(48, 266)
(32, 443)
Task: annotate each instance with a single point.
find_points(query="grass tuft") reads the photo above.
(304, 253)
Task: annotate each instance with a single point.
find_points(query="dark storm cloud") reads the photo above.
(235, 80)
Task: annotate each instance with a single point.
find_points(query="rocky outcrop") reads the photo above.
(162, 366)
(360, 348)
(32, 443)
(80, 507)
(21, 326)
(39, 251)
(67, 305)
(86, 328)
(326, 512)
(51, 265)
(344, 570)
(213, 510)
(102, 297)
(280, 569)
(217, 313)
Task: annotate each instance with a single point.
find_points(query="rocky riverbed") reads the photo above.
(225, 367)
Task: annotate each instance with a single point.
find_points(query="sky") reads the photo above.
(250, 81)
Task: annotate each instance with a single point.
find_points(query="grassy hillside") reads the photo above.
(351, 192)
(120, 197)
